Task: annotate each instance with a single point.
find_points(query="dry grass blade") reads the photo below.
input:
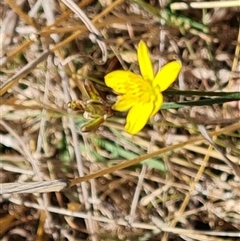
(19, 11)
(34, 187)
(22, 73)
(235, 167)
(203, 235)
(96, 34)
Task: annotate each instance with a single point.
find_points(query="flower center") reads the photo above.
(141, 90)
(147, 92)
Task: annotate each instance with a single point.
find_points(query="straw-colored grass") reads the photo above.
(178, 179)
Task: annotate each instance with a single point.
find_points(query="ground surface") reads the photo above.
(185, 192)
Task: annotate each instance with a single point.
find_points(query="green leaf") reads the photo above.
(208, 101)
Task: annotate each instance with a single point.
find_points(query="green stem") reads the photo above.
(177, 105)
(201, 93)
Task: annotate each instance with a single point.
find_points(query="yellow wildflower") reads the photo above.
(141, 95)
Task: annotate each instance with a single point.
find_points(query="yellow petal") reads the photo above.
(120, 80)
(124, 103)
(157, 103)
(145, 62)
(138, 117)
(167, 75)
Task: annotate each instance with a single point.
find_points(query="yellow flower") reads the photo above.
(141, 95)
